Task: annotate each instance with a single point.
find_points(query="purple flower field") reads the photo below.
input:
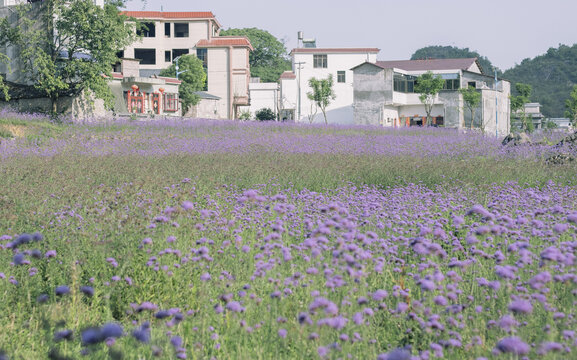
(176, 267)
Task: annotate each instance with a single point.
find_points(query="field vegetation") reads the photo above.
(217, 239)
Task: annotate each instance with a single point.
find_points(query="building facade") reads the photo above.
(168, 35)
(319, 63)
(384, 94)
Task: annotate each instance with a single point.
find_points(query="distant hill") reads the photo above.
(451, 52)
(552, 76)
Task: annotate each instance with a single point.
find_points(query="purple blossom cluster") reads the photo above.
(199, 136)
(446, 272)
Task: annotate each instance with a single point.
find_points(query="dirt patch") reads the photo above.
(15, 130)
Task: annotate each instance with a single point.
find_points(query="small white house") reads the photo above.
(320, 63)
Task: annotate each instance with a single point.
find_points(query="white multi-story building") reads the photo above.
(319, 63)
(168, 35)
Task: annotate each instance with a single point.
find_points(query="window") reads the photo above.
(472, 84)
(320, 61)
(146, 56)
(170, 102)
(167, 29)
(178, 52)
(202, 55)
(180, 30)
(147, 29)
(167, 57)
(120, 54)
(341, 77)
(404, 83)
(451, 84)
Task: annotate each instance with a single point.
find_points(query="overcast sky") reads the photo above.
(505, 31)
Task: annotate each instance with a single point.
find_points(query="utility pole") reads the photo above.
(299, 67)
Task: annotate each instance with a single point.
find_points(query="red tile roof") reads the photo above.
(288, 75)
(334, 50)
(169, 14)
(429, 64)
(223, 41)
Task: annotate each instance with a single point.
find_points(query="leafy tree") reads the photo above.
(552, 76)
(518, 105)
(428, 86)
(8, 35)
(322, 93)
(451, 52)
(193, 79)
(571, 105)
(265, 114)
(472, 99)
(269, 59)
(70, 46)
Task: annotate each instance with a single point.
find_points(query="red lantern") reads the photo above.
(134, 88)
(161, 90)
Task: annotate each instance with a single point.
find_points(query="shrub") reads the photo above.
(265, 114)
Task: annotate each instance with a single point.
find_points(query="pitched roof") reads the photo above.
(169, 14)
(334, 50)
(288, 75)
(429, 64)
(224, 41)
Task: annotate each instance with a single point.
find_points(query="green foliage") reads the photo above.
(70, 46)
(265, 114)
(428, 85)
(322, 93)
(245, 115)
(268, 60)
(193, 79)
(451, 52)
(472, 99)
(571, 105)
(552, 76)
(518, 106)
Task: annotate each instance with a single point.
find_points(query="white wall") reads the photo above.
(340, 111)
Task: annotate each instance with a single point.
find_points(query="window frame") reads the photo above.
(320, 61)
(341, 76)
(170, 102)
(179, 24)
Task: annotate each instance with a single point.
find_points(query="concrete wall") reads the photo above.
(370, 93)
(80, 108)
(218, 80)
(336, 111)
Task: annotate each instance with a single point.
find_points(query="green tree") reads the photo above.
(428, 86)
(322, 93)
(69, 46)
(571, 105)
(552, 76)
(269, 59)
(451, 52)
(193, 79)
(472, 99)
(518, 105)
(8, 35)
(265, 114)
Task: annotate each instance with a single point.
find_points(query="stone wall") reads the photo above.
(370, 93)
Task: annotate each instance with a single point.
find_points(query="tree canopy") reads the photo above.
(322, 93)
(451, 52)
(551, 75)
(193, 79)
(71, 46)
(428, 85)
(518, 105)
(571, 105)
(269, 59)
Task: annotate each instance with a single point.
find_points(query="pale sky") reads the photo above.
(505, 31)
